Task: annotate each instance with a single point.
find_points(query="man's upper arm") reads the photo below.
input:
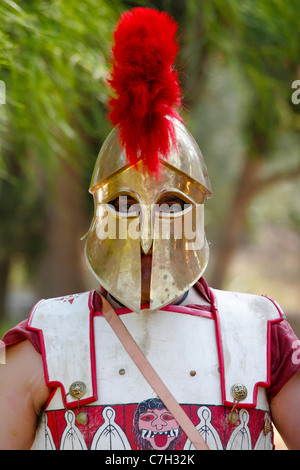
(285, 408)
(22, 394)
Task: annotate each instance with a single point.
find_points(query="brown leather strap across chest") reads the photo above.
(151, 376)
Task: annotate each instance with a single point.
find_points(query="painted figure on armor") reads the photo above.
(155, 427)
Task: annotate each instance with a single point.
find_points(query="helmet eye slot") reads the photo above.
(125, 204)
(171, 203)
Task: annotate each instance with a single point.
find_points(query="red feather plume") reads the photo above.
(145, 84)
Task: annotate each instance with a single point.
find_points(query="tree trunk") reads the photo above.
(61, 269)
(232, 230)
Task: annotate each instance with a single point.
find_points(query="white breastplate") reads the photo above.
(198, 357)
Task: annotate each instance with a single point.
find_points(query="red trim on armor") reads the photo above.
(92, 343)
(56, 384)
(219, 343)
(168, 308)
(221, 357)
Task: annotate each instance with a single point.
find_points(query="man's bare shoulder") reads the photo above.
(23, 392)
(24, 366)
